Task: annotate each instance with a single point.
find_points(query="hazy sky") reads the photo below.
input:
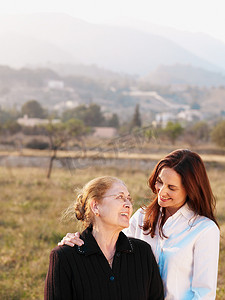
(192, 15)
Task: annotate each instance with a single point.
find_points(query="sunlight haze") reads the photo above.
(195, 16)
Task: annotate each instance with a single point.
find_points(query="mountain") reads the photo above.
(19, 50)
(184, 75)
(200, 44)
(60, 38)
(89, 71)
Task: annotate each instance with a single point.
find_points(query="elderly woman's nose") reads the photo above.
(127, 203)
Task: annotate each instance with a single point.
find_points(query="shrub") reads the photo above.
(37, 144)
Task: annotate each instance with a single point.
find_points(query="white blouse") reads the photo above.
(188, 258)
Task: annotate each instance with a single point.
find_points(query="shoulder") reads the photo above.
(142, 252)
(140, 245)
(205, 223)
(206, 230)
(198, 222)
(63, 252)
(139, 214)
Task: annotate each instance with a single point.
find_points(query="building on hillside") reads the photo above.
(61, 106)
(55, 84)
(25, 121)
(163, 118)
(190, 115)
(105, 132)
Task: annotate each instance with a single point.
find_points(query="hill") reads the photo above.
(198, 43)
(170, 89)
(185, 75)
(60, 38)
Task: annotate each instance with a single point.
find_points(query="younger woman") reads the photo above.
(180, 226)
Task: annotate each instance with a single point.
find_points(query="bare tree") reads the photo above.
(59, 135)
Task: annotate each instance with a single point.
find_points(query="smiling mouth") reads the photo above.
(165, 199)
(125, 214)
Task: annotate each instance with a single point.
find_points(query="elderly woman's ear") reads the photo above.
(94, 207)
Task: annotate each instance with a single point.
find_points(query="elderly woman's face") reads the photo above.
(115, 208)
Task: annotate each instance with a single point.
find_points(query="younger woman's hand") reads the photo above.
(71, 239)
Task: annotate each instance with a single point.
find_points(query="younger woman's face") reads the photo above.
(170, 190)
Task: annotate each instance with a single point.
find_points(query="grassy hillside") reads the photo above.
(30, 226)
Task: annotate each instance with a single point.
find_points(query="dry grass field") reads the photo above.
(30, 225)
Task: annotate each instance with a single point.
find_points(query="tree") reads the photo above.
(11, 127)
(150, 133)
(74, 113)
(94, 116)
(33, 109)
(218, 134)
(59, 134)
(4, 116)
(136, 120)
(113, 121)
(91, 115)
(8, 115)
(173, 131)
(199, 132)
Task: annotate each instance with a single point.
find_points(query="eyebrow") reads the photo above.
(123, 193)
(170, 185)
(117, 194)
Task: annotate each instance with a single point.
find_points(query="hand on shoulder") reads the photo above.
(71, 239)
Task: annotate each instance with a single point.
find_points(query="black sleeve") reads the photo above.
(156, 286)
(58, 279)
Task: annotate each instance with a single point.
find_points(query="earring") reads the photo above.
(97, 214)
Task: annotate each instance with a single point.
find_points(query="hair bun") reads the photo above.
(80, 208)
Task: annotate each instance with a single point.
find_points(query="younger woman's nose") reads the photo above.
(163, 190)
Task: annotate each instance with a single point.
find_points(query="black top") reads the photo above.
(83, 273)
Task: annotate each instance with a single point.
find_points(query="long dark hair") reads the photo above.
(200, 198)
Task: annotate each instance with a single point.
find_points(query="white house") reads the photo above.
(164, 118)
(25, 121)
(190, 115)
(56, 84)
(105, 132)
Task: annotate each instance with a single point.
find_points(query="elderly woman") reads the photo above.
(109, 265)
